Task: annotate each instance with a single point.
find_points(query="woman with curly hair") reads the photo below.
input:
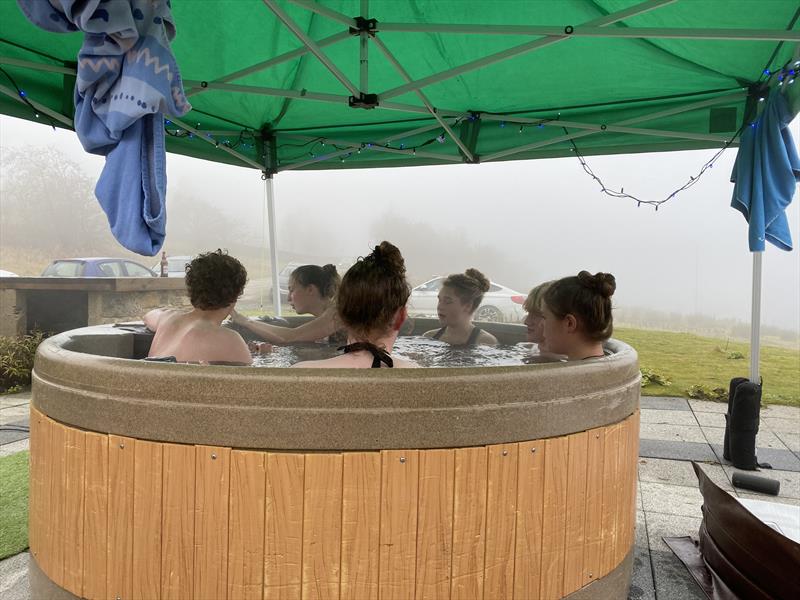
(577, 315)
(459, 297)
(311, 291)
(214, 281)
(371, 304)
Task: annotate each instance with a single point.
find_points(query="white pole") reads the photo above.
(269, 189)
(755, 320)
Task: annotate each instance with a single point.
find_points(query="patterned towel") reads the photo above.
(127, 78)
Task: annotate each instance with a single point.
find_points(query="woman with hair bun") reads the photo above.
(460, 296)
(577, 315)
(312, 290)
(371, 304)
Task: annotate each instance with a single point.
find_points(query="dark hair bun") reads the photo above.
(388, 256)
(483, 283)
(602, 283)
(329, 269)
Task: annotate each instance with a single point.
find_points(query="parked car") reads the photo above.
(7, 274)
(500, 303)
(283, 280)
(96, 267)
(176, 266)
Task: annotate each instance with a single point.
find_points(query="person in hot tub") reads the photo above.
(577, 315)
(311, 291)
(214, 281)
(459, 297)
(371, 303)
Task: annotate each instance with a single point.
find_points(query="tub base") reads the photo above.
(613, 586)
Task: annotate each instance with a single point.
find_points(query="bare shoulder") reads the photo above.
(486, 338)
(430, 333)
(403, 363)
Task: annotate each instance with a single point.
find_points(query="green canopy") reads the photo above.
(285, 83)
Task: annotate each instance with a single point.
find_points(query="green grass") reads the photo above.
(13, 504)
(686, 359)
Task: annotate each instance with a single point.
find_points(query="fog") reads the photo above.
(519, 222)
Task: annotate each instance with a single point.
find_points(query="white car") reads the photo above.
(500, 304)
(7, 274)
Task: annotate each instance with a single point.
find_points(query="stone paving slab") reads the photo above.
(9, 400)
(15, 414)
(14, 578)
(708, 406)
(681, 473)
(14, 447)
(674, 433)
(790, 439)
(700, 452)
(764, 438)
(710, 419)
(783, 460)
(668, 417)
(668, 499)
(663, 403)
(781, 424)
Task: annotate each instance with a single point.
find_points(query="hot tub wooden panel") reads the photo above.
(118, 517)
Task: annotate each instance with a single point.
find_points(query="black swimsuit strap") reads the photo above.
(379, 355)
(473, 336)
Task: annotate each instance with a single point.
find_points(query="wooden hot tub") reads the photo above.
(189, 482)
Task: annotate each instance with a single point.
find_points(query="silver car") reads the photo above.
(500, 304)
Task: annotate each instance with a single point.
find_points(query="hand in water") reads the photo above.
(260, 347)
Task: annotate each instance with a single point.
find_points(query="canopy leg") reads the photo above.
(755, 320)
(269, 189)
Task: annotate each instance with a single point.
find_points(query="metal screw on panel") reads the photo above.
(402, 459)
(533, 450)
(590, 575)
(505, 452)
(213, 457)
(122, 445)
(596, 435)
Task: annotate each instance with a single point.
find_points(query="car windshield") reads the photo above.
(64, 268)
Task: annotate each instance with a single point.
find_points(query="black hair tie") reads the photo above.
(379, 355)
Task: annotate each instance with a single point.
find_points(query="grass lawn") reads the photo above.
(13, 504)
(686, 359)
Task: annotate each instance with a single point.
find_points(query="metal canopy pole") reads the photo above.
(311, 45)
(37, 105)
(269, 192)
(363, 47)
(755, 320)
(589, 31)
(522, 49)
(328, 12)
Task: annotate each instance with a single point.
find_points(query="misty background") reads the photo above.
(685, 267)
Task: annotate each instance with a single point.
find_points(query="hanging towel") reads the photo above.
(766, 173)
(127, 78)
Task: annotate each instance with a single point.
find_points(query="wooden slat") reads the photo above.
(38, 451)
(361, 497)
(177, 522)
(283, 545)
(530, 514)
(398, 536)
(148, 462)
(625, 511)
(74, 512)
(322, 526)
(501, 506)
(469, 523)
(633, 477)
(212, 486)
(246, 534)
(120, 522)
(57, 510)
(435, 524)
(95, 520)
(576, 512)
(594, 504)
(610, 489)
(554, 520)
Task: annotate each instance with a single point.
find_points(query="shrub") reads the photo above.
(653, 377)
(16, 360)
(703, 392)
(735, 355)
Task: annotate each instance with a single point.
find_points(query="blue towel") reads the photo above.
(127, 78)
(766, 173)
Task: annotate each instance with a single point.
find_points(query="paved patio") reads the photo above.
(674, 431)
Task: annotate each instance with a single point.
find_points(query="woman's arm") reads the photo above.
(323, 326)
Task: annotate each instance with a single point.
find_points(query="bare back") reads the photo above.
(192, 339)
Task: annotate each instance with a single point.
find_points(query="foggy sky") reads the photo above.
(541, 219)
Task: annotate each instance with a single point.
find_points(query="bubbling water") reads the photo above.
(423, 351)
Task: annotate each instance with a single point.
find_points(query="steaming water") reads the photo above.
(421, 350)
